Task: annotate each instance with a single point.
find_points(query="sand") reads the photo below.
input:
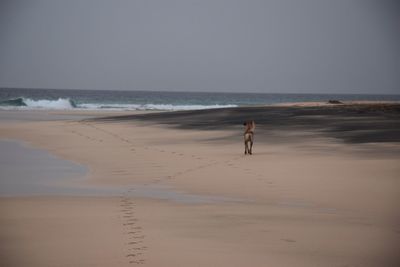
(181, 192)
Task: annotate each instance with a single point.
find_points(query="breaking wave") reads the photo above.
(66, 103)
(21, 102)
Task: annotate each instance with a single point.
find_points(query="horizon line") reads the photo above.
(194, 91)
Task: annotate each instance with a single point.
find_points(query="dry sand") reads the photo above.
(191, 198)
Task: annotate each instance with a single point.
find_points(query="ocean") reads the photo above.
(32, 99)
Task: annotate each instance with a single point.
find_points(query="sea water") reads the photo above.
(32, 99)
(29, 171)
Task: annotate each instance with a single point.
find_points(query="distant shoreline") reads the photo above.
(318, 104)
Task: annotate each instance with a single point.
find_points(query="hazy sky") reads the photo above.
(298, 46)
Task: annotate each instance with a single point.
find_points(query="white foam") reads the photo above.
(61, 103)
(167, 107)
(65, 104)
(184, 107)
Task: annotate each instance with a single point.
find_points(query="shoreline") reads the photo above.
(110, 111)
(342, 102)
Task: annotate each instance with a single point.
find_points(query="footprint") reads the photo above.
(136, 262)
(133, 232)
(288, 240)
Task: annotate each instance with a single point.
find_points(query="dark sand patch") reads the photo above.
(355, 123)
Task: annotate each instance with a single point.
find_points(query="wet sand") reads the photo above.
(321, 189)
(28, 171)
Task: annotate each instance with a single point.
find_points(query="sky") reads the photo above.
(278, 46)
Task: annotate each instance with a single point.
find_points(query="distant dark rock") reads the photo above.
(333, 101)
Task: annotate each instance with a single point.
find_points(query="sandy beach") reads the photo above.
(175, 188)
